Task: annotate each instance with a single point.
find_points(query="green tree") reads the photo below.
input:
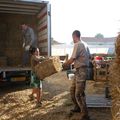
(99, 35)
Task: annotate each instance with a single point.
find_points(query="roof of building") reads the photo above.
(93, 39)
(89, 39)
(54, 42)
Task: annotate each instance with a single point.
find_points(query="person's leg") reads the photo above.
(33, 91)
(80, 77)
(39, 94)
(31, 96)
(32, 84)
(80, 98)
(72, 92)
(25, 60)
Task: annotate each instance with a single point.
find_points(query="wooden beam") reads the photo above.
(19, 6)
(20, 2)
(18, 10)
(14, 12)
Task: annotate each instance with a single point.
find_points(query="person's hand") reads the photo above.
(27, 47)
(64, 64)
(23, 45)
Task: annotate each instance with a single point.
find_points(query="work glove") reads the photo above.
(27, 47)
(23, 45)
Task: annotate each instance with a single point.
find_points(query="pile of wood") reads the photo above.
(115, 82)
(48, 67)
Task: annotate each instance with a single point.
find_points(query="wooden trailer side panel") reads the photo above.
(43, 31)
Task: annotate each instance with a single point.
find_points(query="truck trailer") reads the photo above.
(12, 14)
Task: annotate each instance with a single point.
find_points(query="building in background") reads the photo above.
(100, 45)
(96, 46)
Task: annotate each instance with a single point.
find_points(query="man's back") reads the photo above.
(81, 54)
(29, 37)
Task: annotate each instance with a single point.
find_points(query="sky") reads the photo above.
(88, 16)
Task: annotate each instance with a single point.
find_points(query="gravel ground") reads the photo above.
(15, 103)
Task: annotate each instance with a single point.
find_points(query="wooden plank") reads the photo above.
(41, 38)
(42, 28)
(98, 101)
(14, 69)
(43, 49)
(18, 10)
(42, 20)
(42, 25)
(42, 41)
(43, 32)
(19, 6)
(43, 11)
(42, 16)
(45, 44)
(30, 3)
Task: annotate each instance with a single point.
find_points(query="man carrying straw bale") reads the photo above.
(80, 57)
(36, 83)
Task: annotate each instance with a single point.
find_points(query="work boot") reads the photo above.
(76, 109)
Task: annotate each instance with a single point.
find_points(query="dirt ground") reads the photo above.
(15, 103)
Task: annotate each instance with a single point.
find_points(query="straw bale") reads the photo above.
(48, 67)
(117, 46)
(114, 78)
(115, 92)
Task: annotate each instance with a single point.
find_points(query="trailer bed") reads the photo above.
(98, 101)
(13, 74)
(5, 69)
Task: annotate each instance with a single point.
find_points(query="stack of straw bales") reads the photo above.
(48, 67)
(115, 82)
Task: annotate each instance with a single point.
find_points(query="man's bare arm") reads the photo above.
(68, 62)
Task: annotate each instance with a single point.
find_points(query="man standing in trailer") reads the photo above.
(29, 40)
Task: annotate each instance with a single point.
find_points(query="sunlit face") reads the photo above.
(75, 38)
(37, 52)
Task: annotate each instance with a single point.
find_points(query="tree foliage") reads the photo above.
(99, 35)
